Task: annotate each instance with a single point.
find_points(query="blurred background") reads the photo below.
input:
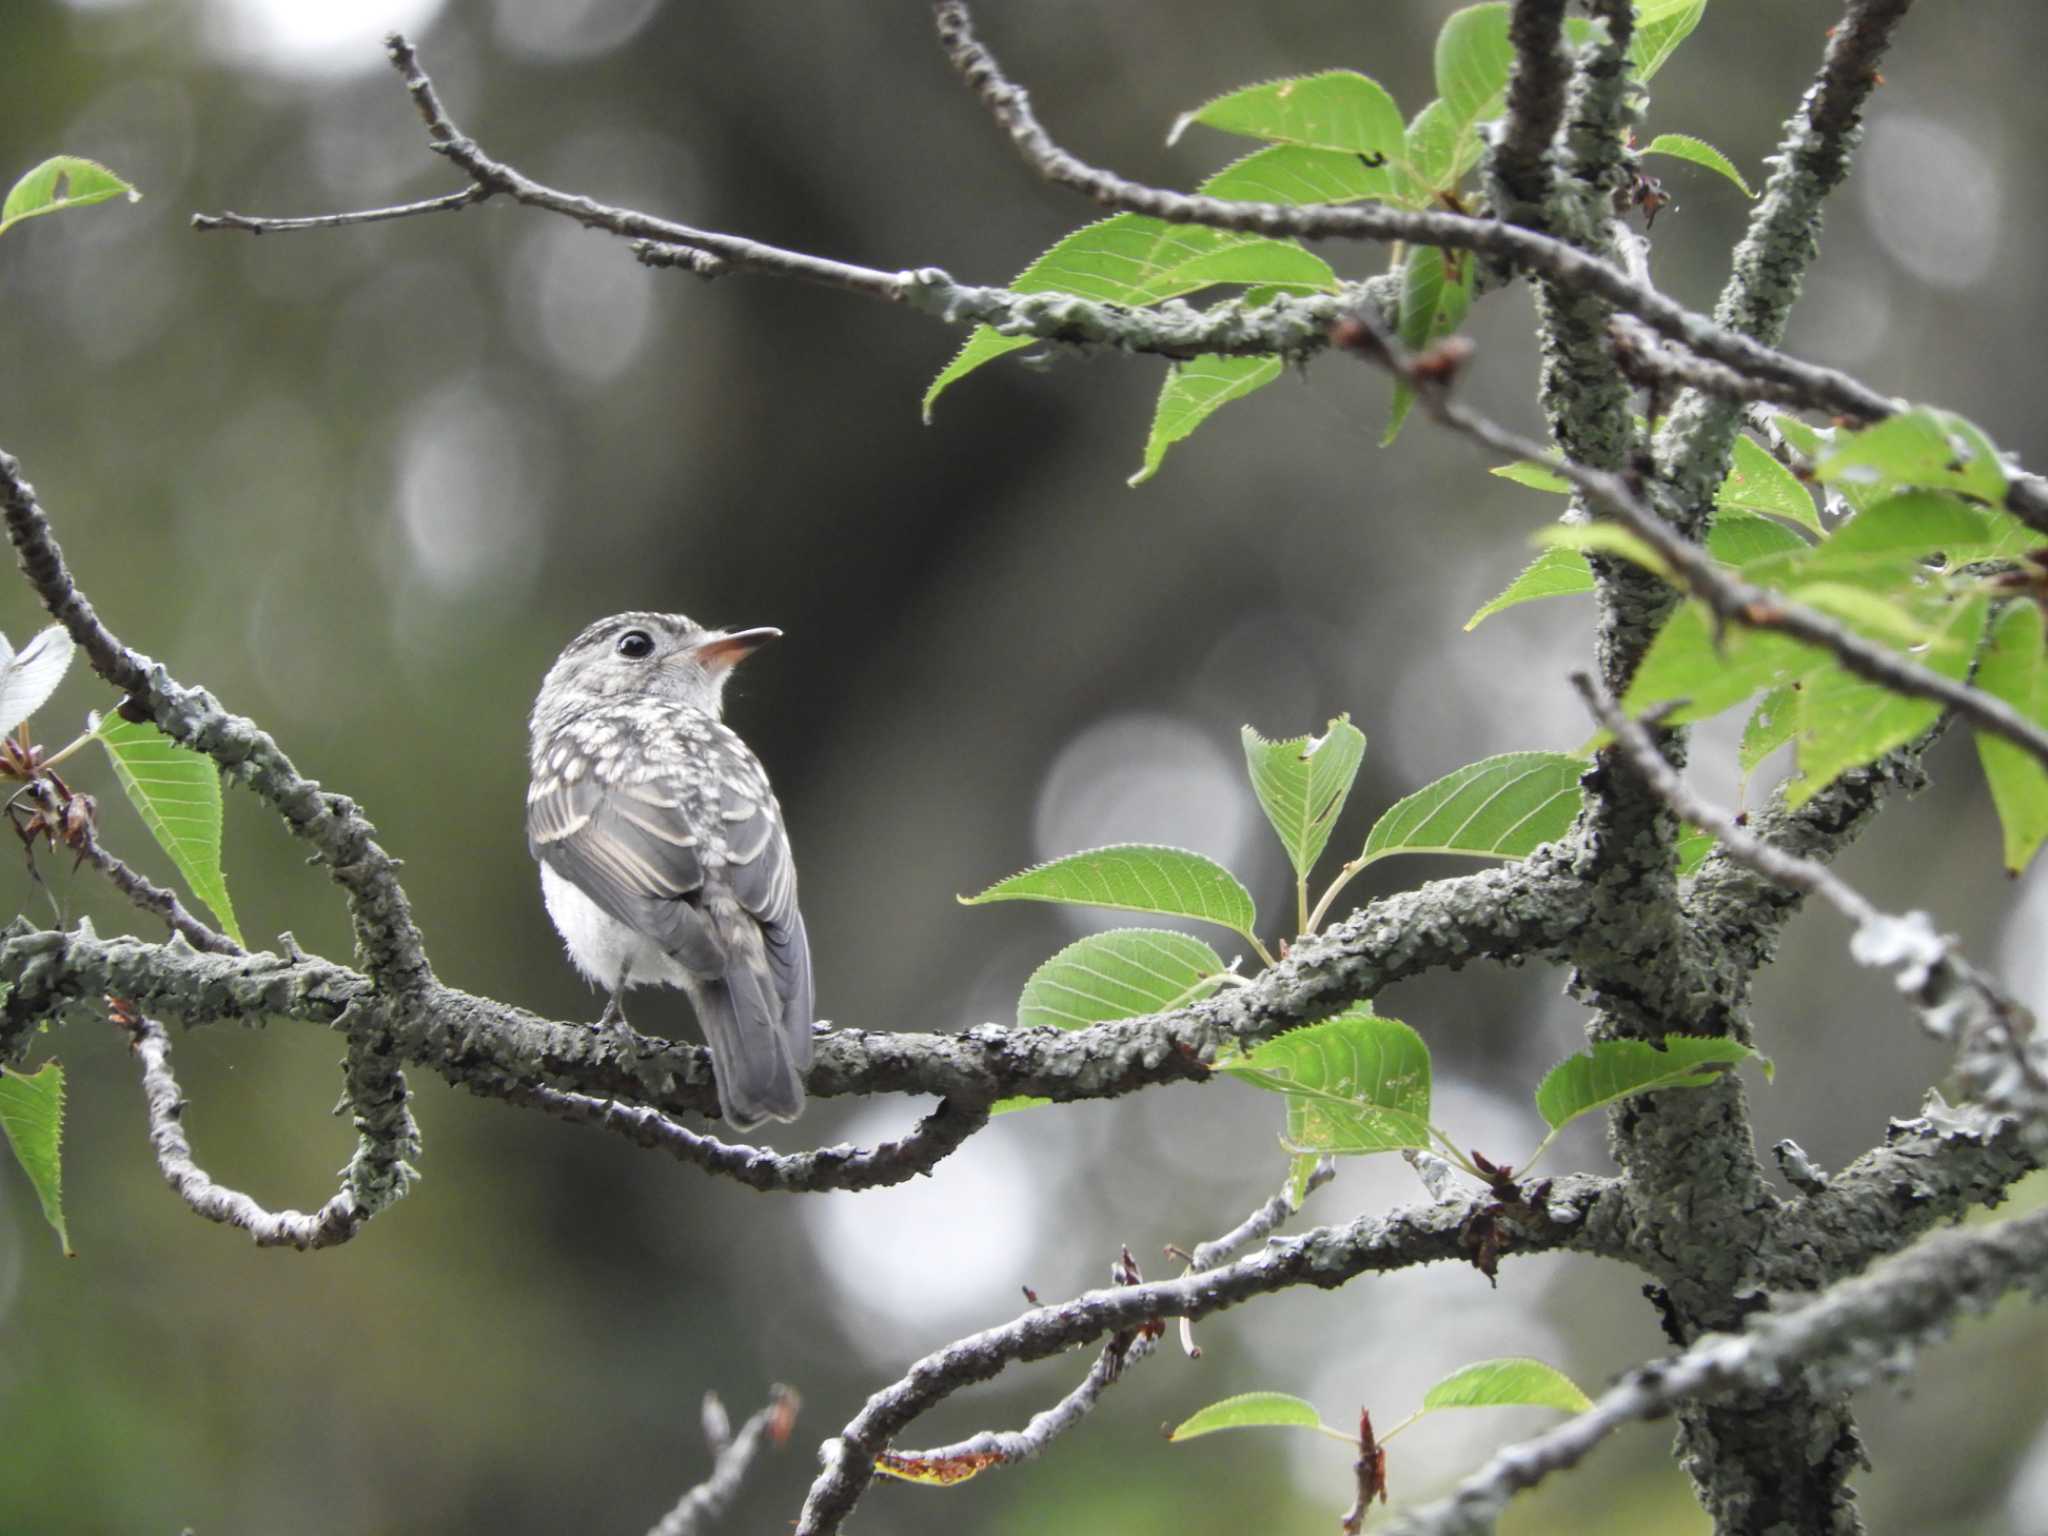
(364, 484)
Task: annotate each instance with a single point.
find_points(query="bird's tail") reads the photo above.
(742, 1023)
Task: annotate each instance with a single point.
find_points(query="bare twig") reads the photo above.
(731, 1456)
(999, 1448)
(151, 897)
(1575, 1218)
(451, 202)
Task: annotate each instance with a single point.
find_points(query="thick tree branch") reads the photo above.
(1531, 910)
(1519, 167)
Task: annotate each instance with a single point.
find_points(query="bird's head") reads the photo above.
(661, 656)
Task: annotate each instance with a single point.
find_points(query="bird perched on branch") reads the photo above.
(663, 859)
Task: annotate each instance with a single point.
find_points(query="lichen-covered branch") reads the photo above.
(374, 1178)
(2002, 1057)
(1781, 243)
(392, 950)
(1531, 910)
(1856, 1334)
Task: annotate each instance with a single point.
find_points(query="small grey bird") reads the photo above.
(662, 854)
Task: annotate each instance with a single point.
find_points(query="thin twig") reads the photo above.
(1002, 1448)
(153, 898)
(451, 202)
(731, 1456)
(937, 1136)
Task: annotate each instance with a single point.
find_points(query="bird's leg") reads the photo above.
(614, 1016)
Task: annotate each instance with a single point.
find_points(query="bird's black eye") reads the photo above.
(636, 645)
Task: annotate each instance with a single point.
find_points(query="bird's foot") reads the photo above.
(613, 1019)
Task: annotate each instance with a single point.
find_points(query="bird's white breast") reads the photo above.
(601, 946)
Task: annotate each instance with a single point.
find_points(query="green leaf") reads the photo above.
(1302, 784)
(30, 675)
(1618, 1069)
(1131, 259)
(1507, 1383)
(178, 794)
(1339, 109)
(1538, 477)
(1300, 1169)
(1554, 573)
(1925, 447)
(1436, 290)
(1683, 146)
(1604, 538)
(1910, 527)
(1193, 392)
(1473, 59)
(63, 181)
(1871, 613)
(1441, 149)
(1355, 1084)
(1500, 807)
(1012, 1105)
(1845, 722)
(1121, 974)
(1661, 25)
(32, 1119)
(1759, 483)
(1134, 877)
(1773, 722)
(1250, 1410)
(1693, 847)
(2013, 670)
(1737, 538)
(1290, 174)
(1686, 662)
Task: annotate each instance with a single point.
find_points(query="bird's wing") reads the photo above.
(631, 849)
(762, 874)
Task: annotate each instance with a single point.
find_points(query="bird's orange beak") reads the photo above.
(725, 650)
